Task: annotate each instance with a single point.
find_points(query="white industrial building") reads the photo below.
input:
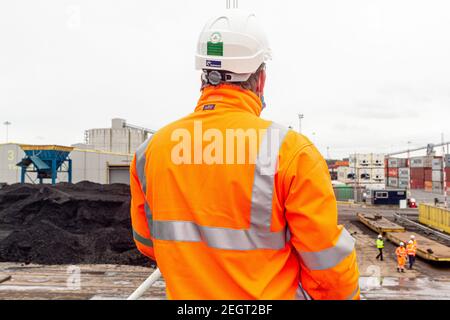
(104, 158)
(120, 138)
(87, 165)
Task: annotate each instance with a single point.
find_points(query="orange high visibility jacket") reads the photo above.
(401, 252)
(232, 206)
(411, 249)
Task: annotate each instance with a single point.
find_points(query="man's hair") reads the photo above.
(251, 84)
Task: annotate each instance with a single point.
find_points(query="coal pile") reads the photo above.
(82, 223)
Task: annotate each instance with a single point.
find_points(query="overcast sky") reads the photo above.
(369, 76)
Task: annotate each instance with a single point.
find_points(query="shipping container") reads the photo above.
(404, 173)
(378, 159)
(378, 175)
(393, 172)
(437, 187)
(365, 174)
(447, 160)
(417, 174)
(428, 174)
(417, 184)
(402, 163)
(421, 162)
(344, 193)
(437, 164)
(341, 163)
(436, 176)
(403, 183)
(392, 163)
(345, 174)
(392, 182)
(360, 160)
(447, 173)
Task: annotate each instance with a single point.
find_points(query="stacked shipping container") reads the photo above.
(421, 172)
(437, 175)
(397, 173)
(366, 169)
(447, 169)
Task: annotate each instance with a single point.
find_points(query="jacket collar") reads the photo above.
(230, 97)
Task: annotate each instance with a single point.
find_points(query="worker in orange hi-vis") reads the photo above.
(411, 251)
(401, 254)
(232, 206)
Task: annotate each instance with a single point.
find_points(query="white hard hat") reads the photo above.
(380, 236)
(402, 244)
(233, 42)
(413, 237)
(411, 242)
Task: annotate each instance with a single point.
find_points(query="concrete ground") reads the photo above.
(379, 280)
(423, 196)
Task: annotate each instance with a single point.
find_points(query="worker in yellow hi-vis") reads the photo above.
(380, 247)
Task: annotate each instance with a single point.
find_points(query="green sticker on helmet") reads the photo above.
(215, 45)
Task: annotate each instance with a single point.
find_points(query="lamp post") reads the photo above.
(300, 118)
(7, 124)
(444, 173)
(408, 191)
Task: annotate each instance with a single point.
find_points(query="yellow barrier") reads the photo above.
(438, 218)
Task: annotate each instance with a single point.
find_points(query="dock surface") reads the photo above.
(81, 282)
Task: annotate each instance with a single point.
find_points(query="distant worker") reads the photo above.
(380, 247)
(411, 251)
(401, 257)
(232, 206)
(413, 239)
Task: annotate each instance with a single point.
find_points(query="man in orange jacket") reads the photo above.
(232, 206)
(401, 254)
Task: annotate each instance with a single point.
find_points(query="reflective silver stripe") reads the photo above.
(301, 294)
(354, 293)
(263, 185)
(329, 258)
(140, 169)
(219, 238)
(145, 241)
(259, 236)
(140, 163)
(149, 216)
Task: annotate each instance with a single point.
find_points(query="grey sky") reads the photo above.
(368, 75)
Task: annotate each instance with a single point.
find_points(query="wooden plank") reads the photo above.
(96, 282)
(439, 252)
(380, 224)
